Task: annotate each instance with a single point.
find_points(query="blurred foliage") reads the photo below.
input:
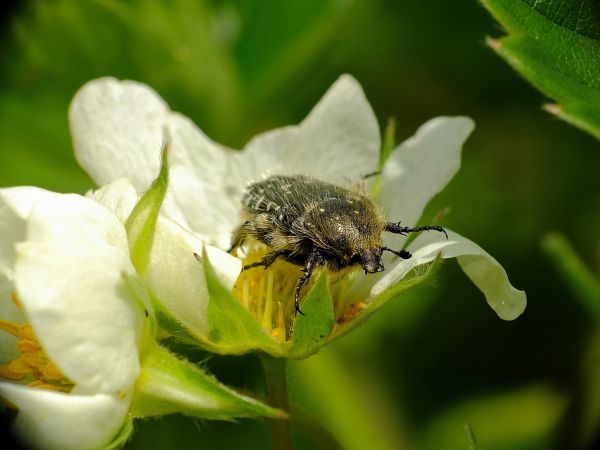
(439, 360)
(555, 45)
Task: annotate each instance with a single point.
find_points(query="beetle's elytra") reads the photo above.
(313, 223)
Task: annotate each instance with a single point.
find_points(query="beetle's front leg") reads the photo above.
(313, 261)
(269, 259)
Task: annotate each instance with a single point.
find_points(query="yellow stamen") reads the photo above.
(52, 372)
(32, 364)
(20, 366)
(8, 374)
(260, 301)
(246, 295)
(268, 294)
(268, 309)
(39, 384)
(27, 345)
(26, 332)
(35, 359)
(15, 300)
(9, 327)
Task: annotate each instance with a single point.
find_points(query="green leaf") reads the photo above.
(584, 285)
(555, 45)
(141, 223)
(232, 329)
(170, 385)
(312, 330)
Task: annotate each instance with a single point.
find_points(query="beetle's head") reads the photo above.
(370, 260)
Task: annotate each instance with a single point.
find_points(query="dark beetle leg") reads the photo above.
(372, 174)
(313, 260)
(269, 259)
(402, 253)
(399, 229)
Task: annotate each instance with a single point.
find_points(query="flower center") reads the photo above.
(32, 367)
(268, 294)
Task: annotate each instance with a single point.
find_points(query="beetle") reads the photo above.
(313, 223)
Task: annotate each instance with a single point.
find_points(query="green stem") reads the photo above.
(277, 396)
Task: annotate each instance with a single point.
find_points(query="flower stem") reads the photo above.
(277, 396)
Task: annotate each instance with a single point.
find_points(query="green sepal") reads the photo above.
(122, 436)
(168, 385)
(231, 328)
(136, 290)
(417, 276)
(555, 45)
(141, 223)
(312, 329)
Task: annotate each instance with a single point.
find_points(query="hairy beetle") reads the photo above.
(313, 223)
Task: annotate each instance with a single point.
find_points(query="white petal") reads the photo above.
(15, 206)
(485, 272)
(339, 140)
(420, 168)
(341, 137)
(119, 196)
(204, 195)
(69, 278)
(177, 278)
(117, 129)
(54, 420)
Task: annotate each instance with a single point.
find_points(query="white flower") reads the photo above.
(63, 258)
(118, 128)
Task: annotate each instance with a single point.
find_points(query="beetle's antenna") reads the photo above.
(399, 229)
(404, 254)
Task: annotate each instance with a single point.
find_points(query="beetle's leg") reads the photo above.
(268, 259)
(399, 229)
(313, 260)
(404, 254)
(371, 174)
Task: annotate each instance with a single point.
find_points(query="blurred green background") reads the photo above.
(437, 369)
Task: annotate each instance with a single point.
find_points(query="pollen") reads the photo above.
(32, 367)
(268, 294)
